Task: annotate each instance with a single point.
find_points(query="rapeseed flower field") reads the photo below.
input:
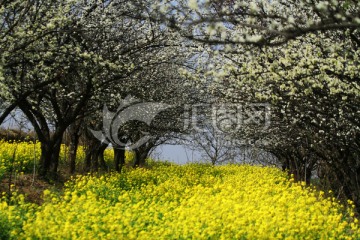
(193, 201)
(20, 157)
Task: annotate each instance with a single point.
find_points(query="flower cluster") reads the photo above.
(18, 156)
(22, 156)
(186, 202)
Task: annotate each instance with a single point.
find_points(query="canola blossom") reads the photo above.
(183, 202)
(20, 157)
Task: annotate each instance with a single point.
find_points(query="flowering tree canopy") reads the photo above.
(63, 60)
(302, 57)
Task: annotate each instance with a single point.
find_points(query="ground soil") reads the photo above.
(32, 187)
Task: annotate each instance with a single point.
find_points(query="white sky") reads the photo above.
(176, 153)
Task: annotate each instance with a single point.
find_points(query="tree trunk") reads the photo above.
(141, 153)
(100, 156)
(87, 160)
(45, 158)
(55, 157)
(73, 145)
(49, 159)
(94, 157)
(119, 158)
(140, 158)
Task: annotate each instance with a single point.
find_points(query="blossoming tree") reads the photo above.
(300, 56)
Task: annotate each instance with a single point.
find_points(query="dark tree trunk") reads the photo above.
(87, 160)
(72, 155)
(91, 147)
(49, 159)
(45, 158)
(91, 158)
(308, 175)
(94, 157)
(119, 159)
(140, 157)
(141, 153)
(100, 156)
(55, 157)
(73, 145)
(298, 163)
(346, 170)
